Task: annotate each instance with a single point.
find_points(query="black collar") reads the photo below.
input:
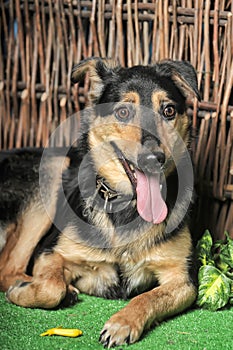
(106, 199)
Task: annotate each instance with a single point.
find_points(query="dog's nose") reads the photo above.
(151, 162)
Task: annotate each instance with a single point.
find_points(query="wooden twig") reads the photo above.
(120, 38)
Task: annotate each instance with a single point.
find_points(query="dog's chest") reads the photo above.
(138, 276)
(115, 280)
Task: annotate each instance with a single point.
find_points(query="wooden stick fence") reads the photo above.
(42, 39)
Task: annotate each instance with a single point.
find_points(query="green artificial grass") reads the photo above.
(20, 328)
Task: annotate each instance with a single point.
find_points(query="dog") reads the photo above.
(108, 217)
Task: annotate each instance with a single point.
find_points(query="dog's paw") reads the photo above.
(32, 294)
(120, 329)
(12, 292)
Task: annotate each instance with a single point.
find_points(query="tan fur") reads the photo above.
(128, 137)
(48, 287)
(157, 98)
(30, 229)
(131, 97)
(32, 224)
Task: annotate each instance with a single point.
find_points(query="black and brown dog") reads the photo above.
(108, 218)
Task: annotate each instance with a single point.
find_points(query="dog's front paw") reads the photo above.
(120, 329)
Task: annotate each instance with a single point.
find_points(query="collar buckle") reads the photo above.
(107, 192)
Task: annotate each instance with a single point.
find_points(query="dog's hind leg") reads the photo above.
(47, 288)
(20, 243)
(21, 235)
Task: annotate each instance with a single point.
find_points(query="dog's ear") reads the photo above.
(183, 74)
(99, 69)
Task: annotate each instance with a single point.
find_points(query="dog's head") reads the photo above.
(137, 123)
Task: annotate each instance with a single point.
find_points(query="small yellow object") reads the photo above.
(64, 332)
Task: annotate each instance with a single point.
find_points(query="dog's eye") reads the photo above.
(122, 113)
(169, 112)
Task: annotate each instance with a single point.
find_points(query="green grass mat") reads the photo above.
(197, 329)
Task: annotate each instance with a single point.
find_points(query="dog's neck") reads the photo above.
(105, 197)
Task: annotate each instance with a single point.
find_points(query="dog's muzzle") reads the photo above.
(126, 166)
(150, 203)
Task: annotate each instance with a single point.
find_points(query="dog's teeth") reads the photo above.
(161, 186)
(133, 170)
(132, 167)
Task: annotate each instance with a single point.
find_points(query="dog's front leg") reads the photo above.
(127, 325)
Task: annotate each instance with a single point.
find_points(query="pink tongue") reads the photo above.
(150, 204)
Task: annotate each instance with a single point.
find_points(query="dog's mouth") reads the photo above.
(150, 203)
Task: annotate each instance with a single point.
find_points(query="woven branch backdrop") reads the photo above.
(42, 39)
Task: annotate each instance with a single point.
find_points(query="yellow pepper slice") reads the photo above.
(64, 332)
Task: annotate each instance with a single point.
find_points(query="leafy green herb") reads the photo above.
(215, 275)
(204, 248)
(215, 288)
(225, 254)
